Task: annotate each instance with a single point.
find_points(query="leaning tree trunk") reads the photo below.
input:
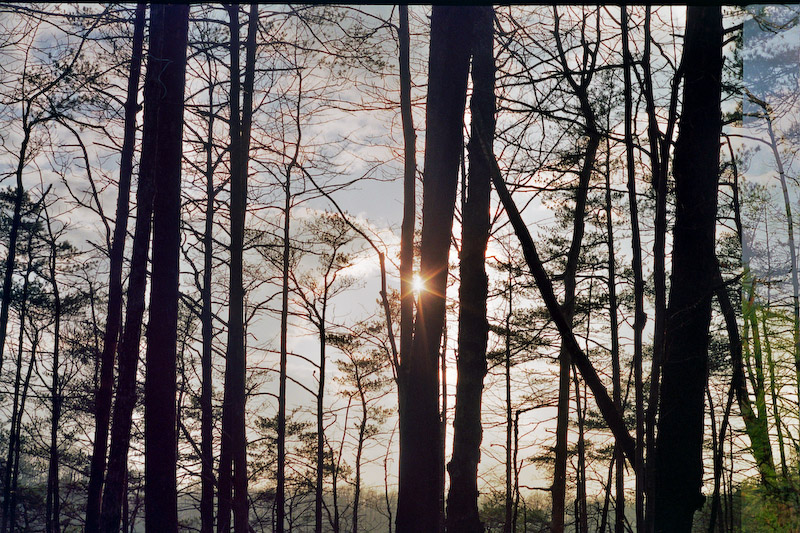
(114, 315)
(166, 70)
(473, 327)
(679, 445)
(421, 460)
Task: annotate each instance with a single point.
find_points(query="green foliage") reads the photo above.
(533, 514)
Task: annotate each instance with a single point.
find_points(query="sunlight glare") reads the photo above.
(417, 284)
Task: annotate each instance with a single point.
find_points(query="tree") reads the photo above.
(234, 439)
(163, 119)
(473, 326)
(418, 383)
(679, 466)
(114, 313)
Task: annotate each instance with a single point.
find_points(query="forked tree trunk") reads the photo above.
(117, 254)
(473, 327)
(114, 491)
(163, 102)
(580, 88)
(418, 378)
(679, 445)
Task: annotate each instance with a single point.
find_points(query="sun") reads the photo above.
(417, 285)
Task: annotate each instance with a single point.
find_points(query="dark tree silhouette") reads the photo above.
(163, 118)
(114, 315)
(679, 445)
(473, 327)
(421, 460)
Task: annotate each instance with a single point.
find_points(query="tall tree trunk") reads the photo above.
(117, 255)
(14, 493)
(510, 427)
(679, 466)
(659, 164)
(280, 489)
(52, 501)
(114, 494)
(207, 332)
(362, 432)
(164, 89)
(638, 283)
(473, 327)
(318, 490)
(418, 380)
(409, 194)
(616, 375)
(791, 242)
(233, 455)
(581, 513)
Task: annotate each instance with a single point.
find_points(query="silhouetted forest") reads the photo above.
(463, 269)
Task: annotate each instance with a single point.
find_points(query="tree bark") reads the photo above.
(117, 256)
(679, 466)
(473, 327)
(418, 380)
(616, 374)
(164, 90)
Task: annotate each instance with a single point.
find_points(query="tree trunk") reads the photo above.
(409, 194)
(473, 327)
(164, 90)
(13, 235)
(280, 489)
(117, 256)
(207, 332)
(233, 455)
(16, 415)
(510, 427)
(616, 375)
(418, 380)
(679, 466)
(638, 283)
(18, 437)
(318, 490)
(114, 490)
(52, 501)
